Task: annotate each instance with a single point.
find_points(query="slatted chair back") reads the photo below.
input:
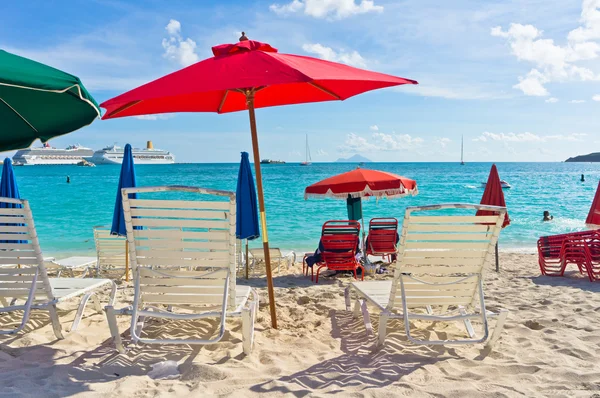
(21, 260)
(259, 254)
(183, 252)
(110, 250)
(383, 233)
(340, 242)
(441, 257)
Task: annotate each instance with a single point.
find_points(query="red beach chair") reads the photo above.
(339, 243)
(383, 234)
(584, 251)
(557, 251)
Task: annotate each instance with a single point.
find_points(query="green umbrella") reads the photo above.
(38, 101)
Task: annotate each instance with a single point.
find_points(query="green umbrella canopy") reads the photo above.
(38, 101)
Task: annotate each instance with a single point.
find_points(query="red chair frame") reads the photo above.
(382, 237)
(581, 248)
(339, 239)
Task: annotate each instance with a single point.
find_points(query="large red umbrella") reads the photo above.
(361, 183)
(494, 196)
(249, 75)
(593, 217)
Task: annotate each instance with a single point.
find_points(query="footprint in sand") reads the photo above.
(533, 325)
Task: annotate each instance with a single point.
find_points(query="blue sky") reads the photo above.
(520, 79)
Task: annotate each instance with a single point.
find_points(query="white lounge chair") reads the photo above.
(257, 256)
(440, 263)
(183, 258)
(110, 251)
(69, 265)
(28, 287)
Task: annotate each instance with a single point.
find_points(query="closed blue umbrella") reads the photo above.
(9, 189)
(126, 180)
(8, 184)
(246, 205)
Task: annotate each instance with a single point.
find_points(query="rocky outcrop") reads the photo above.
(590, 157)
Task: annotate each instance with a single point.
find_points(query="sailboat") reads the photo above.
(462, 142)
(308, 159)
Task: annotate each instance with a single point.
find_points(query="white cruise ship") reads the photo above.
(114, 155)
(47, 154)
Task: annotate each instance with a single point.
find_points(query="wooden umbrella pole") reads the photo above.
(261, 205)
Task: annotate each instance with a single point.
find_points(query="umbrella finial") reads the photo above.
(243, 37)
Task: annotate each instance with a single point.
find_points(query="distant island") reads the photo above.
(354, 159)
(590, 157)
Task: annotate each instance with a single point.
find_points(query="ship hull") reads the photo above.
(103, 160)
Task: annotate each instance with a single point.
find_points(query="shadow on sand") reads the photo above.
(363, 364)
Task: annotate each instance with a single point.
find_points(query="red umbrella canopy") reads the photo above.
(593, 217)
(493, 195)
(220, 84)
(362, 183)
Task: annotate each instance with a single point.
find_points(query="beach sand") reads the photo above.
(550, 347)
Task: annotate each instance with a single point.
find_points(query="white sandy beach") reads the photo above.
(550, 347)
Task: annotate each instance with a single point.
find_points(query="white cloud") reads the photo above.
(576, 101)
(552, 100)
(173, 27)
(321, 152)
(533, 84)
(352, 58)
(596, 97)
(331, 9)
(590, 18)
(443, 141)
(379, 142)
(374, 128)
(164, 116)
(176, 48)
(527, 137)
(553, 62)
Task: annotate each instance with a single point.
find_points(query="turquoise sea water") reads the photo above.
(65, 213)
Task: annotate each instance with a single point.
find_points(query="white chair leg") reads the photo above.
(467, 322)
(366, 317)
(498, 329)
(55, 322)
(111, 317)
(248, 328)
(347, 298)
(80, 310)
(356, 312)
(382, 329)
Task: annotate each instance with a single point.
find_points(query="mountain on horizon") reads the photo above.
(354, 159)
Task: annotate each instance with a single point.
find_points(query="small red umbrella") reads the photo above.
(249, 75)
(361, 183)
(593, 217)
(493, 196)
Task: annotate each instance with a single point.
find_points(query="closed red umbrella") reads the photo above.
(494, 196)
(249, 75)
(593, 217)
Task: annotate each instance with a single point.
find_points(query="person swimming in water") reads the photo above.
(547, 216)
(68, 180)
(582, 178)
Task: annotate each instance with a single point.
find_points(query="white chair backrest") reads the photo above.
(21, 260)
(110, 249)
(441, 257)
(182, 251)
(275, 253)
